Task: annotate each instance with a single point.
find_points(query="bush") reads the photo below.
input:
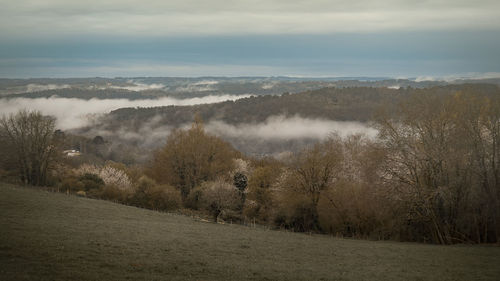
(140, 196)
(219, 196)
(149, 195)
(194, 199)
(164, 198)
(71, 184)
(295, 211)
(113, 193)
(91, 181)
(111, 174)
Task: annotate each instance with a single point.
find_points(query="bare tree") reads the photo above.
(443, 154)
(314, 170)
(29, 138)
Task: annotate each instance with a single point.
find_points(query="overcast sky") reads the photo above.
(62, 38)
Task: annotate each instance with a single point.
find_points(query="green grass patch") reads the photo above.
(53, 236)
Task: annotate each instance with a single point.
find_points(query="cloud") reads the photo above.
(176, 17)
(32, 87)
(40, 87)
(286, 128)
(137, 86)
(206, 82)
(73, 113)
(200, 86)
(465, 76)
(277, 134)
(268, 86)
(151, 134)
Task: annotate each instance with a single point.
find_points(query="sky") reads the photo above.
(304, 38)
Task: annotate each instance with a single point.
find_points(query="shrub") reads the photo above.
(260, 195)
(219, 196)
(110, 175)
(91, 181)
(115, 177)
(147, 194)
(164, 198)
(113, 193)
(87, 169)
(194, 199)
(295, 211)
(71, 184)
(139, 197)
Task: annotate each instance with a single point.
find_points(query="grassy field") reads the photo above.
(50, 236)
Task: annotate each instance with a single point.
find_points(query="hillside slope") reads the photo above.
(50, 236)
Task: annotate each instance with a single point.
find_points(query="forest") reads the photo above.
(431, 174)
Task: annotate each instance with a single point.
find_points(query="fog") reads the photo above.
(72, 113)
(200, 86)
(277, 134)
(39, 87)
(139, 87)
(286, 128)
(151, 134)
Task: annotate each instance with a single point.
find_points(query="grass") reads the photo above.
(52, 236)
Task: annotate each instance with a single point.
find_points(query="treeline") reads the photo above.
(432, 175)
(87, 94)
(342, 104)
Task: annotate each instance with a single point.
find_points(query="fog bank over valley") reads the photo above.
(277, 134)
(281, 127)
(72, 113)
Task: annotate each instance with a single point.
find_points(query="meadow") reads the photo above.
(53, 236)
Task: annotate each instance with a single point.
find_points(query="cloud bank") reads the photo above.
(200, 86)
(72, 113)
(218, 17)
(30, 88)
(137, 86)
(278, 133)
(285, 128)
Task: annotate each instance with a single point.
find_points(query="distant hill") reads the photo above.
(150, 126)
(343, 104)
(179, 87)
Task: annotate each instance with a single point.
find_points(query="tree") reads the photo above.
(28, 136)
(443, 159)
(260, 195)
(311, 173)
(355, 204)
(240, 181)
(191, 157)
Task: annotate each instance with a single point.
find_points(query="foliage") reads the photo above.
(149, 195)
(194, 199)
(111, 176)
(240, 181)
(432, 175)
(260, 203)
(164, 197)
(191, 157)
(218, 196)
